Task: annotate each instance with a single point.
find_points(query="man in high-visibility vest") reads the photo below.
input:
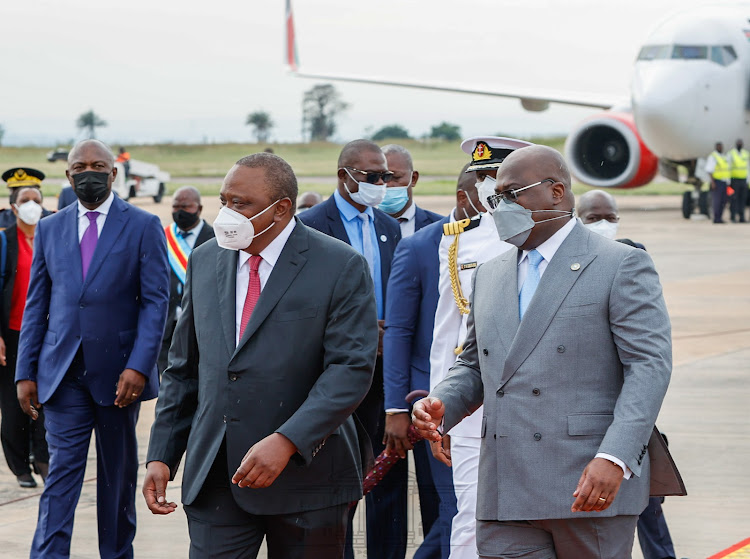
(738, 163)
(717, 168)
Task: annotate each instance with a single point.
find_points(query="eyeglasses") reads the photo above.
(372, 176)
(511, 195)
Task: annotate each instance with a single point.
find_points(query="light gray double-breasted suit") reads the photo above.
(584, 372)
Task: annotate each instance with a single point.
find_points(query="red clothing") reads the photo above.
(21, 284)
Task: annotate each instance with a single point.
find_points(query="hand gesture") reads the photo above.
(427, 414)
(155, 488)
(263, 463)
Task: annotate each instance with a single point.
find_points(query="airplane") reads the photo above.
(690, 89)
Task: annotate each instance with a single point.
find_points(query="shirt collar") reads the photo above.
(271, 253)
(410, 212)
(102, 209)
(549, 247)
(197, 229)
(347, 211)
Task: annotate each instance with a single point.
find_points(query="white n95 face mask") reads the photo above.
(514, 222)
(234, 231)
(29, 212)
(604, 228)
(368, 194)
(485, 189)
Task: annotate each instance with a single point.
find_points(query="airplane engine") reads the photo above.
(606, 151)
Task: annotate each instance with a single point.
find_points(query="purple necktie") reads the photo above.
(88, 242)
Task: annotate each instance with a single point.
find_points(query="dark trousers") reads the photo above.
(20, 435)
(437, 503)
(719, 199)
(653, 534)
(220, 529)
(71, 415)
(739, 200)
(386, 504)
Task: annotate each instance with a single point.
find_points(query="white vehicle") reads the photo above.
(689, 90)
(144, 179)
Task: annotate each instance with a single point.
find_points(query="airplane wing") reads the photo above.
(531, 100)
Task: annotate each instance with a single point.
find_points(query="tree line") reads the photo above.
(322, 106)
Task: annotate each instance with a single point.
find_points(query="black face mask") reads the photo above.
(91, 186)
(185, 220)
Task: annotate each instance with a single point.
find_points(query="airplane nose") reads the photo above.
(664, 103)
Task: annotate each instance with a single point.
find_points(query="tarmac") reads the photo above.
(705, 272)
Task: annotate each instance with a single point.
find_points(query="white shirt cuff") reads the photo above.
(397, 410)
(626, 473)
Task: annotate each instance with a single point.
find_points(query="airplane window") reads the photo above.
(723, 55)
(653, 52)
(690, 52)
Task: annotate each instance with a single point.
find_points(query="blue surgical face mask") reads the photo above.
(396, 197)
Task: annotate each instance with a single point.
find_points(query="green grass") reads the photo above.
(437, 160)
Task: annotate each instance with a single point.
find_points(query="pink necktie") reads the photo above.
(88, 242)
(253, 292)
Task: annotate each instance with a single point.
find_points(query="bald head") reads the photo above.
(596, 205)
(188, 193)
(91, 146)
(308, 199)
(352, 152)
(532, 164)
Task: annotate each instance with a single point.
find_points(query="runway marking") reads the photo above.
(737, 551)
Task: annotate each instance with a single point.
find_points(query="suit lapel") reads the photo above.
(557, 281)
(506, 275)
(287, 267)
(71, 245)
(207, 232)
(113, 226)
(226, 273)
(335, 224)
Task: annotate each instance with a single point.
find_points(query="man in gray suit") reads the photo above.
(273, 351)
(569, 350)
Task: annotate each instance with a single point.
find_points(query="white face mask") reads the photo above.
(234, 231)
(29, 212)
(368, 194)
(485, 189)
(604, 228)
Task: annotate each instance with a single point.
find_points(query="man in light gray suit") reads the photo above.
(274, 350)
(569, 350)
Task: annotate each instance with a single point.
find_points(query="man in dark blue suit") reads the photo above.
(351, 216)
(91, 334)
(399, 197)
(412, 302)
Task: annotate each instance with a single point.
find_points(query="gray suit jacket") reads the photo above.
(584, 372)
(302, 366)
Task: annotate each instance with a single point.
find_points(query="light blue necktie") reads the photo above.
(367, 243)
(531, 281)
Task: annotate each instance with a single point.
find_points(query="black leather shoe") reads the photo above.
(26, 481)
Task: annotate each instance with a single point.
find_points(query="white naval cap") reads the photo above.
(487, 152)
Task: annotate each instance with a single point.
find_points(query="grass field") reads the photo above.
(437, 161)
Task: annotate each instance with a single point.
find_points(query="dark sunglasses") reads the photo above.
(372, 176)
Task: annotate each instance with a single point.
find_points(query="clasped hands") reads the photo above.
(597, 487)
(259, 468)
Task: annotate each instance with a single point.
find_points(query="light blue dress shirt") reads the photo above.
(353, 228)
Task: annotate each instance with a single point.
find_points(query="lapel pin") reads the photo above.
(383, 238)
(575, 267)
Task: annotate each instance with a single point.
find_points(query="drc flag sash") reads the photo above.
(178, 251)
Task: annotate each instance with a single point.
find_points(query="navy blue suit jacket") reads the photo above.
(410, 314)
(422, 218)
(325, 217)
(116, 316)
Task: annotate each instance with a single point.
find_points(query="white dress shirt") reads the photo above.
(83, 220)
(269, 256)
(192, 235)
(548, 249)
(409, 225)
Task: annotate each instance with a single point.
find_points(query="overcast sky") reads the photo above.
(161, 70)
